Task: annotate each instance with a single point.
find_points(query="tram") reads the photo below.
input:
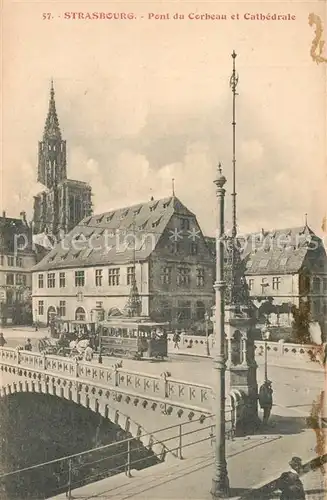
(135, 339)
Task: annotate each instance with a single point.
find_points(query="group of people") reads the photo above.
(27, 347)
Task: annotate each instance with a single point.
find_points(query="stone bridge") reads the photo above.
(151, 408)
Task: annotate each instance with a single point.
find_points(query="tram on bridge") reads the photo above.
(136, 339)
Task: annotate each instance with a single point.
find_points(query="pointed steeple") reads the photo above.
(52, 129)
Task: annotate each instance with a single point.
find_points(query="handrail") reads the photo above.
(126, 466)
(104, 446)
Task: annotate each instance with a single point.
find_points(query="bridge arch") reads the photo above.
(36, 383)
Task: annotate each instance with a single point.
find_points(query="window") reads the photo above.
(51, 280)
(62, 280)
(184, 310)
(98, 277)
(62, 308)
(249, 264)
(166, 276)
(283, 261)
(185, 224)
(130, 274)
(276, 283)
(200, 310)
(183, 276)
(40, 281)
(316, 285)
(113, 276)
(200, 277)
(194, 248)
(251, 283)
(1, 260)
(79, 278)
(325, 284)
(263, 263)
(21, 279)
(11, 261)
(98, 305)
(41, 307)
(174, 247)
(10, 279)
(19, 262)
(80, 313)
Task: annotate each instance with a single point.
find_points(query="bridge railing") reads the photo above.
(197, 344)
(163, 387)
(67, 473)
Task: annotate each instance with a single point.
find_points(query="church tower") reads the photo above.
(52, 149)
(64, 202)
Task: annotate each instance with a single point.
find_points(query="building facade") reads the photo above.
(16, 261)
(64, 202)
(90, 273)
(285, 268)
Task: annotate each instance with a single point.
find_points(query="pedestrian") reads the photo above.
(2, 340)
(176, 340)
(266, 400)
(28, 345)
(290, 483)
(36, 326)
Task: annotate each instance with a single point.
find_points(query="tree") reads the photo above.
(301, 323)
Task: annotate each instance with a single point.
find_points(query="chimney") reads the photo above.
(3, 214)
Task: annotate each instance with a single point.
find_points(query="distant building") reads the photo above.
(16, 260)
(285, 267)
(89, 274)
(64, 202)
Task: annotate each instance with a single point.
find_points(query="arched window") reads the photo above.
(200, 310)
(80, 314)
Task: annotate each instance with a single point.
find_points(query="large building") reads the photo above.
(64, 202)
(16, 260)
(89, 274)
(285, 268)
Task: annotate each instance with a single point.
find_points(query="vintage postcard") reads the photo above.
(163, 265)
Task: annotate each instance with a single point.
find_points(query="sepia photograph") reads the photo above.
(163, 265)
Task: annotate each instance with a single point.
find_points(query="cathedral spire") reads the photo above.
(52, 129)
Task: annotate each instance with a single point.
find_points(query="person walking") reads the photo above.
(2, 340)
(290, 483)
(176, 340)
(266, 400)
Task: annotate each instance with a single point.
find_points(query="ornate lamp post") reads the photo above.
(220, 481)
(265, 335)
(206, 319)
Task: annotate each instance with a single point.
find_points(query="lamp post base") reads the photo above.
(220, 487)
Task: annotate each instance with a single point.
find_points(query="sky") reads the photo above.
(143, 101)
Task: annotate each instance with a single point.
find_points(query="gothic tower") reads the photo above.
(64, 202)
(52, 149)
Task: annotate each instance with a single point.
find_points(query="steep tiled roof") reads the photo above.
(108, 238)
(280, 251)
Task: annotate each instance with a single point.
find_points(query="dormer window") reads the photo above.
(154, 206)
(124, 213)
(137, 211)
(99, 219)
(87, 221)
(109, 217)
(157, 222)
(63, 257)
(166, 204)
(185, 224)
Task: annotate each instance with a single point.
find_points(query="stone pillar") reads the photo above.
(241, 371)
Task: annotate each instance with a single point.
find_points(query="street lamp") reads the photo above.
(206, 319)
(220, 481)
(265, 335)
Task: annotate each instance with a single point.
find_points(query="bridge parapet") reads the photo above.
(154, 387)
(197, 345)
